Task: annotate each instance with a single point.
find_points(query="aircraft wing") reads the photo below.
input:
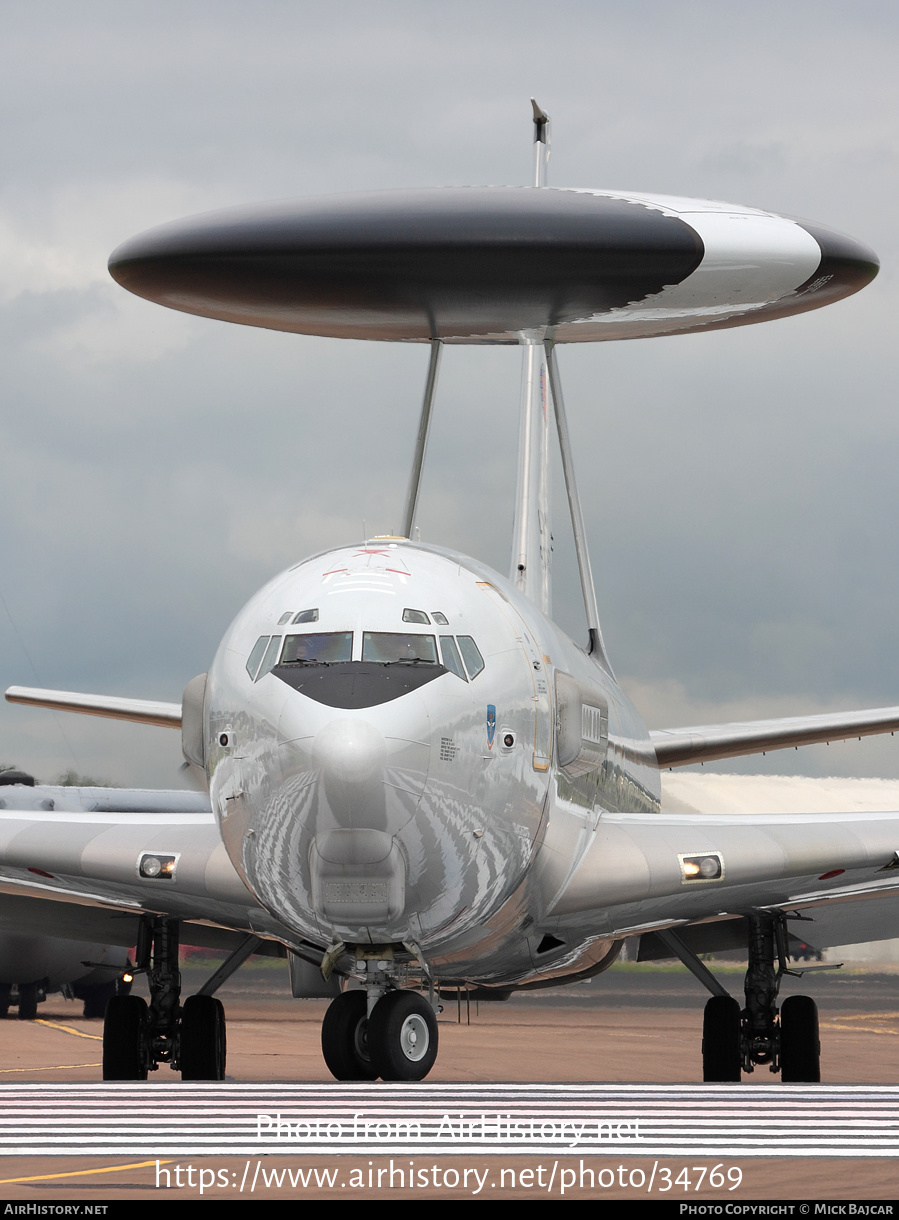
(640, 872)
(143, 711)
(706, 742)
(90, 875)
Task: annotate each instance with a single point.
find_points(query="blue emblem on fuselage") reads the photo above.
(491, 725)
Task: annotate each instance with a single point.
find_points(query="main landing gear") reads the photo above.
(735, 1041)
(137, 1036)
(397, 1041)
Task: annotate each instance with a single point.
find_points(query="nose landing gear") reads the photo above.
(397, 1042)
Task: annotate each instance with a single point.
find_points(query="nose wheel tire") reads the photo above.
(345, 1038)
(721, 1058)
(202, 1053)
(124, 1036)
(402, 1036)
(800, 1048)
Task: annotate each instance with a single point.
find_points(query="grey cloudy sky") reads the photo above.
(739, 487)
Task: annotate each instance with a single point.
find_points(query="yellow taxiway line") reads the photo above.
(81, 1173)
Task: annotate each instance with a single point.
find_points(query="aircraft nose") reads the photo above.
(365, 768)
(362, 782)
(349, 753)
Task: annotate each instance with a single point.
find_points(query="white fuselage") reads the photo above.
(413, 802)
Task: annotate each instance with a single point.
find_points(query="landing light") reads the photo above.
(707, 866)
(156, 867)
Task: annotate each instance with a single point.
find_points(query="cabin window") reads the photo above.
(307, 616)
(451, 658)
(396, 648)
(256, 655)
(318, 648)
(271, 656)
(474, 662)
(415, 616)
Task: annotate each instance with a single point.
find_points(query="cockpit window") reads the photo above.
(285, 617)
(307, 616)
(256, 655)
(439, 618)
(451, 658)
(474, 662)
(395, 647)
(271, 656)
(318, 648)
(415, 616)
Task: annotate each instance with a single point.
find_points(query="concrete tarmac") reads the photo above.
(630, 1025)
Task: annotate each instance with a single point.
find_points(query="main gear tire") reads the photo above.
(800, 1046)
(721, 1057)
(202, 1039)
(124, 1038)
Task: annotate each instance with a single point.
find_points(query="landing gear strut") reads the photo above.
(787, 1043)
(734, 1041)
(137, 1037)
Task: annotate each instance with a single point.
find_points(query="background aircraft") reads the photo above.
(32, 965)
(369, 824)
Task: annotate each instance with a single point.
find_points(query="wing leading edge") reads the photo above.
(706, 742)
(114, 707)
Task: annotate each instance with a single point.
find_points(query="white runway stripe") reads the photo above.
(384, 1119)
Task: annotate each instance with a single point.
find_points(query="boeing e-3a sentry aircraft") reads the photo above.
(416, 780)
